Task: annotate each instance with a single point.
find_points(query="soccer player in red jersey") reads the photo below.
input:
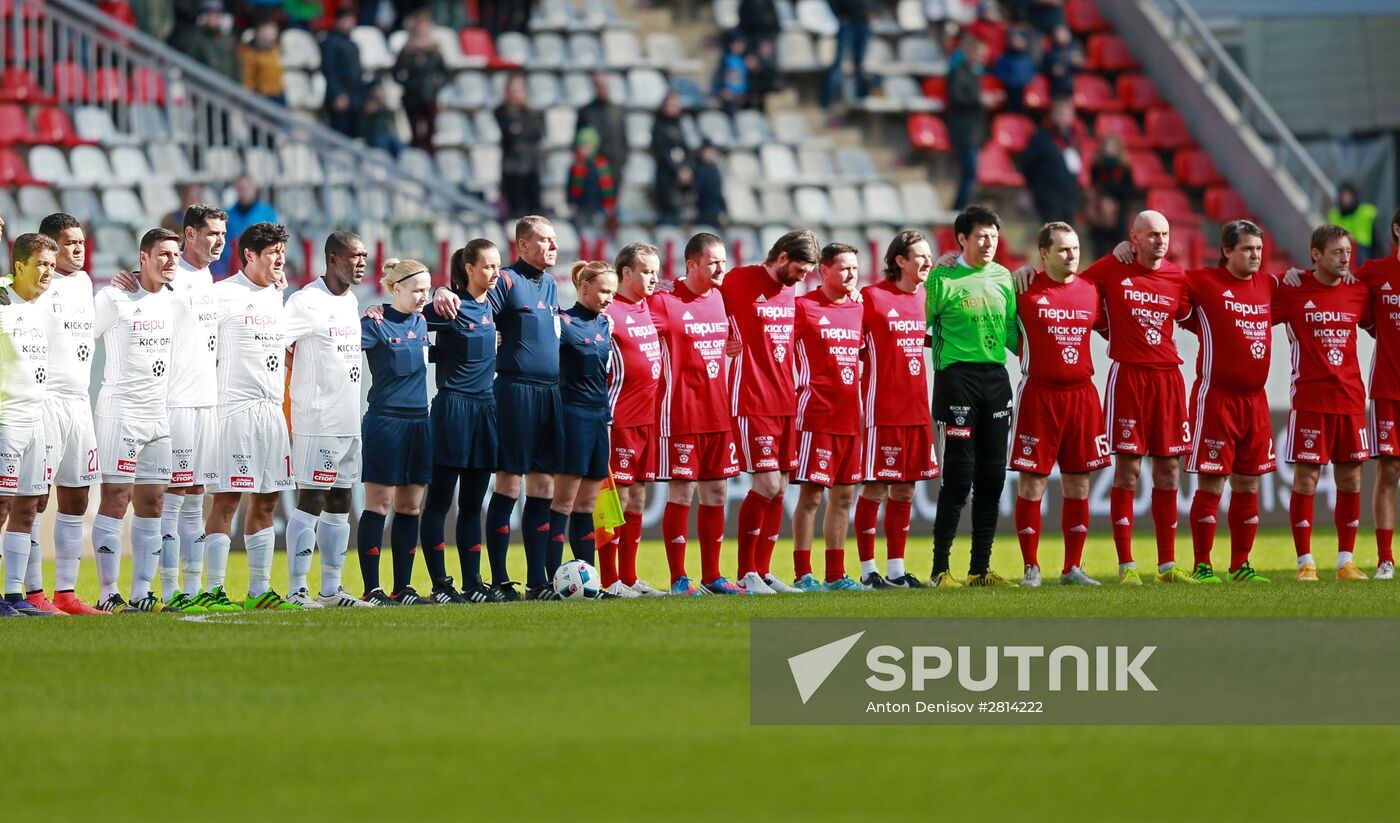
(636, 370)
(1058, 416)
(759, 300)
(1327, 423)
(696, 448)
(894, 387)
(828, 332)
(1382, 277)
(1231, 436)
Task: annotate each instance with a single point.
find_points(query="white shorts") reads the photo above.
(193, 446)
(72, 445)
(23, 470)
(325, 462)
(253, 452)
(134, 451)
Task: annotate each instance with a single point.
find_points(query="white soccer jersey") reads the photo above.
(192, 375)
(68, 308)
(250, 345)
(25, 379)
(326, 363)
(137, 329)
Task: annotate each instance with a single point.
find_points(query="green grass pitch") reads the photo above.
(623, 710)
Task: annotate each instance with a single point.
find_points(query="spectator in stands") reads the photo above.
(1053, 161)
(345, 77)
(248, 208)
(421, 72)
(1061, 61)
(1015, 68)
(211, 43)
(380, 126)
(592, 190)
(609, 121)
(118, 10)
(262, 62)
(155, 17)
(710, 207)
(966, 115)
(853, 37)
(759, 25)
(1107, 205)
(522, 130)
(1043, 15)
(300, 14)
(504, 15)
(673, 172)
(731, 86)
(1358, 218)
(190, 193)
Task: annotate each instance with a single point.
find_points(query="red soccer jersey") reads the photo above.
(1322, 326)
(1382, 277)
(636, 364)
(1054, 321)
(828, 337)
(693, 331)
(1142, 306)
(1232, 318)
(895, 379)
(760, 315)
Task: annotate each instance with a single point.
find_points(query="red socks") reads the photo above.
(1348, 519)
(867, 521)
(1074, 521)
(675, 528)
(1300, 514)
(710, 526)
(801, 563)
(607, 562)
(897, 526)
(1244, 523)
(751, 515)
(628, 539)
(835, 564)
(1164, 515)
(1027, 521)
(1383, 552)
(772, 524)
(1205, 511)
(1120, 509)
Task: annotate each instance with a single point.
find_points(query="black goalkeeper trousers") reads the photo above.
(972, 408)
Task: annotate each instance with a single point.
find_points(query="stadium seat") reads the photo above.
(855, 163)
(1173, 204)
(81, 203)
(417, 163)
(473, 91)
(18, 85)
(560, 123)
(664, 51)
(450, 46)
(727, 14)
(296, 89)
(936, 88)
(478, 49)
(1194, 168)
(1012, 131)
(811, 204)
(921, 54)
(1148, 171)
(1137, 92)
(814, 163)
(715, 127)
(169, 162)
(1083, 17)
(993, 86)
(486, 166)
(621, 49)
(300, 164)
(1108, 52)
(795, 52)
(549, 51)
(121, 205)
(585, 52)
(743, 206)
(128, 163)
(543, 88)
(1165, 129)
(515, 48)
(222, 162)
(743, 165)
(1125, 126)
(48, 164)
(454, 166)
(299, 49)
(1037, 95)
(148, 123)
(70, 83)
(374, 51)
(551, 14)
(817, 17)
(1224, 203)
(638, 125)
(147, 86)
(453, 128)
(1093, 94)
(487, 130)
(692, 97)
(12, 169)
(910, 17)
(847, 206)
(881, 203)
(109, 85)
(921, 203)
(779, 163)
(751, 128)
(995, 168)
(261, 164)
(927, 132)
(159, 197)
(944, 239)
(646, 88)
(14, 126)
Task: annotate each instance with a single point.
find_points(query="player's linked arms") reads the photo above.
(1294, 277)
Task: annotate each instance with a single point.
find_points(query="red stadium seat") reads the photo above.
(54, 127)
(14, 125)
(109, 85)
(70, 82)
(1137, 92)
(936, 88)
(1187, 246)
(1173, 204)
(1148, 171)
(1194, 168)
(1038, 94)
(477, 45)
(995, 87)
(928, 133)
(945, 239)
(1083, 17)
(1224, 203)
(991, 32)
(18, 85)
(1123, 125)
(147, 86)
(1012, 131)
(994, 168)
(12, 169)
(1108, 52)
(1093, 94)
(1164, 129)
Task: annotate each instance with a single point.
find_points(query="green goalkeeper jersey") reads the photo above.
(971, 314)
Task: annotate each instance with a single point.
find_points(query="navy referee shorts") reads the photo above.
(530, 420)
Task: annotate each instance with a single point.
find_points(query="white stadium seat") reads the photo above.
(796, 52)
(646, 88)
(123, 206)
(47, 163)
(621, 50)
(299, 49)
(130, 165)
(559, 125)
(550, 52)
(779, 164)
(847, 207)
(374, 51)
(881, 204)
(817, 17)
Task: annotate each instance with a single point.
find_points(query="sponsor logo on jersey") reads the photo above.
(961, 432)
(323, 477)
(126, 467)
(240, 482)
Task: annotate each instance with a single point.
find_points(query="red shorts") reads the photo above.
(1385, 428)
(1061, 424)
(1230, 433)
(704, 456)
(899, 454)
(1318, 437)
(633, 455)
(828, 459)
(1145, 410)
(766, 444)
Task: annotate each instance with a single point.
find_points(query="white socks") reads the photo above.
(1305, 560)
(145, 554)
(301, 545)
(868, 567)
(170, 545)
(333, 534)
(1163, 568)
(215, 560)
(34, 575)
(259, 547)
(191, 533)
(107, 545)
(16, 548)
(1343, 558)
(68, 550)
(895, 568)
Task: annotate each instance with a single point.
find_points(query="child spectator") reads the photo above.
(262, 62)
(591, 191)
(732, 79)
(709, 188)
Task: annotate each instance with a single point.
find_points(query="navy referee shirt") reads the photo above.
(527, 308)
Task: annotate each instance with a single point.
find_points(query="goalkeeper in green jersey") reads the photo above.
(971, 324)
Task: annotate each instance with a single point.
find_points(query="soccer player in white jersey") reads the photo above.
(24, 476)
(72, 445)
(253, 454)
(323, 326)
(133, 429)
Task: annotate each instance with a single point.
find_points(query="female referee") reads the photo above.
(585, 354)
(398, 458)
(464, 429)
